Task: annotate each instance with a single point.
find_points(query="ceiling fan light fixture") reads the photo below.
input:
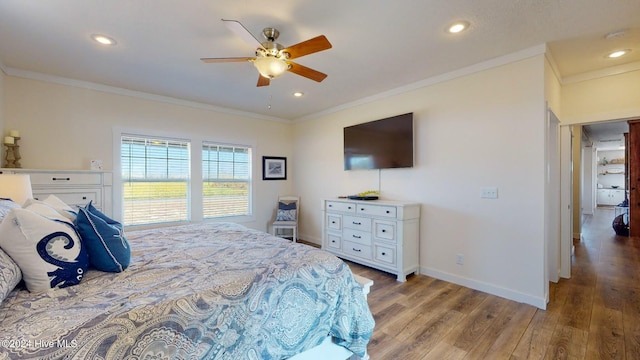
(270, 66)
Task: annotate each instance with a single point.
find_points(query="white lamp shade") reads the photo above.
(16, 187)
(270, 67)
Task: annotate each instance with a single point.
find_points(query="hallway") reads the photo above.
(599, 307)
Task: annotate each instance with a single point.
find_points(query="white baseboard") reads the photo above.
(539, 302)
(311, 239)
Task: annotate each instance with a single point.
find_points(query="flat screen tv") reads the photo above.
(381, 144)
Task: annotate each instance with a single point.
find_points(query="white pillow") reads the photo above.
(48, 252)
(58, 205)
(45, 210)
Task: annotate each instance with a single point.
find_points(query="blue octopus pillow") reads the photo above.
(104, 239)
(48, 252)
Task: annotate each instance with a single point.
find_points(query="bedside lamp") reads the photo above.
(16, 187)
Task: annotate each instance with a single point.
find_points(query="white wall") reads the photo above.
(64, 127)
(483, 129)
(552, 87)
(2, 75)
(602, 98)
(606, 180)
(588, 189)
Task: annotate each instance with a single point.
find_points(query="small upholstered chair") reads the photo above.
(287, 217)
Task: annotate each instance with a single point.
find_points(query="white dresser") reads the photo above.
(380, 234)
(74, 187)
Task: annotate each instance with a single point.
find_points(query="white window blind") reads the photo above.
(155, 179)
(226, 176)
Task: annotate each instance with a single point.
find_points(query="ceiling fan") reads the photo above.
(273, 59)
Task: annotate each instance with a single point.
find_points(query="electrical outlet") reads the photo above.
(489, 193)
(459, 259)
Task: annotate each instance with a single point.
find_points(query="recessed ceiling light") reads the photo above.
(298, 94)
(618, 53)
(103, 39)
(458, 27)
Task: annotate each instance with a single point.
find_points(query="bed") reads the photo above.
(196, 291)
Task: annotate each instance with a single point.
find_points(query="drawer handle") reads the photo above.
(60, 179)
(358, 250)
(333, 241)
(357, 236)
(349, 208)
(84, 198)
(361, 209)
(388, 211)
(333, 222)
(383, 254)
(383, 230)
(330, 205)
(357, 223)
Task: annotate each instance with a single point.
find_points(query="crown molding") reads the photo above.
(592, 75)
(132, 93)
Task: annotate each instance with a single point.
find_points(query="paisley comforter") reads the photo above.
(198, 291)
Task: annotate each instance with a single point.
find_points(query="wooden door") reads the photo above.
(634, 177)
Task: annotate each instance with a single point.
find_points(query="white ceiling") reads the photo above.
(378, 45)
(607, 135)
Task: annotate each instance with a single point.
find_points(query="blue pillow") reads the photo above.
(286, 211)
(92, 209)
(104, 239)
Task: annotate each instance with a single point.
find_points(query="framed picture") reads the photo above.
(274, 168)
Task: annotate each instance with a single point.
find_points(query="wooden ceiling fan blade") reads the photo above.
(263, 81)
(229, 59)
(310, 46)
(237, 28)
(306, 72)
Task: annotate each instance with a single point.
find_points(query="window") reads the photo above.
(155, 180)
(226, 176)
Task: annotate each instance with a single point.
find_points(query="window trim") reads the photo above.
(151, 139)
(195, 187)
(251, 180)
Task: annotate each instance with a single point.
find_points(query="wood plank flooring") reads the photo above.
(593, 315)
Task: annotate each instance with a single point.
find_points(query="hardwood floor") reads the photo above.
(593, 315)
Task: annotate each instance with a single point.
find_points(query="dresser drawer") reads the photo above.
(71, 197)
(341, 206)
(384, 230)
(355, 249)
(358, 223)
(360, 237)
(385, 254)
(334, 222)
(334, 241)
(377, 210)
(52, 178)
